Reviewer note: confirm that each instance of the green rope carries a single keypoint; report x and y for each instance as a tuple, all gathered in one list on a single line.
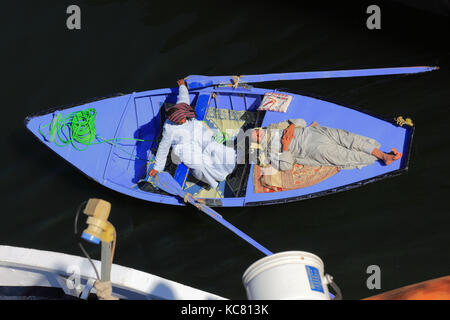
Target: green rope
[(222, 137), (77, 128)]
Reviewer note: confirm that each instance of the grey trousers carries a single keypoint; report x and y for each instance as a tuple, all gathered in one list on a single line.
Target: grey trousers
[(336, 147)]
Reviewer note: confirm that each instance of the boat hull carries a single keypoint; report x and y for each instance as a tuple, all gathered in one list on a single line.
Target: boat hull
[(29, 271), (120, 166)]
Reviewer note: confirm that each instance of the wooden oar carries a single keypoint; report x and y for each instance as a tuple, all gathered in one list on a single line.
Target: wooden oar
[(199, 81), (166, 182)]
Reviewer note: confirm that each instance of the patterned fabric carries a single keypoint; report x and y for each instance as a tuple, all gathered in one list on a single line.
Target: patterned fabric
[(273, 101), (298, 177), (229, 122), (180, 111)]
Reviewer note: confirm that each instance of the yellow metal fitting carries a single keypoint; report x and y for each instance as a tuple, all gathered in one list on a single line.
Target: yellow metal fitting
[(98, 225), (401, 122)]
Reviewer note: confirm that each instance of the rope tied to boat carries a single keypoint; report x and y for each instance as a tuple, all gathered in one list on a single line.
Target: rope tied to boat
[(236, 81), (104, 290), (187, 196), (77, 128)]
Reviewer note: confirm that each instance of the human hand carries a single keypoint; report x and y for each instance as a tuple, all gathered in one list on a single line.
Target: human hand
[(152, 173), (314, 124), (181, 82)]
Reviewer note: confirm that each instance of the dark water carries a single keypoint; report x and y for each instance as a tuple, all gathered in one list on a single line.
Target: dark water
[(400, 224)]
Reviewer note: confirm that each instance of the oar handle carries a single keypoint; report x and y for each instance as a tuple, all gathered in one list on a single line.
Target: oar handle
[(213, 214), (166, 182)]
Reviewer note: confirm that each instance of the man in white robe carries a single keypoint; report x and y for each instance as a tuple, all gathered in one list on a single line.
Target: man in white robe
[(193, 144)]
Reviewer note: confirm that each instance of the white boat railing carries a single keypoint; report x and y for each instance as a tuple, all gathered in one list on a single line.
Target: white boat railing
[(75, 275)]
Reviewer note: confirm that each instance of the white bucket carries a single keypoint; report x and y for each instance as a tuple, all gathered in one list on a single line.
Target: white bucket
[(290, 275)]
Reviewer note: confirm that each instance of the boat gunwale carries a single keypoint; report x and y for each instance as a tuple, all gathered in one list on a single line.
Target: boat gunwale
[(259, 91)]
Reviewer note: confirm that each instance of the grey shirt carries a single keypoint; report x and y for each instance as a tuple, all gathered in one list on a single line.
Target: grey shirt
[(272, 148)]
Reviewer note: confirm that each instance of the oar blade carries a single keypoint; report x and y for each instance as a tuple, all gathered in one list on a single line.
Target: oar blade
[(198, 81)]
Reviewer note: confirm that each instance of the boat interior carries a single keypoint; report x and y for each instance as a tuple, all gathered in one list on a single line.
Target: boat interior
[(123, 165), (222, 111), (223, 108)]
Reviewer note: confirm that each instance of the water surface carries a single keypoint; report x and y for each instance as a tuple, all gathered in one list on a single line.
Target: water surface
[(400, 224)]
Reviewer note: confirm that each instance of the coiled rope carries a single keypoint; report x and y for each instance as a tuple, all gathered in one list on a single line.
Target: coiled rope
[(78, 128)]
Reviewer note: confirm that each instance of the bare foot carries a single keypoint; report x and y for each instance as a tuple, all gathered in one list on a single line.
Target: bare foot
[(387, 158), (392, 156), (397, 155)]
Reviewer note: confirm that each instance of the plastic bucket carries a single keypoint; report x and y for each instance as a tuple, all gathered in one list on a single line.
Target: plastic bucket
[(290, 275)]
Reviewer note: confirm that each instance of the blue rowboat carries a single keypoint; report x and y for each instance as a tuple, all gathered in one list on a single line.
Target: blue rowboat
[(128, 128)]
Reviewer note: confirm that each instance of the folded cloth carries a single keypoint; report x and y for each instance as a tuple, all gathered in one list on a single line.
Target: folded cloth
[(273, 101), (298, 177)]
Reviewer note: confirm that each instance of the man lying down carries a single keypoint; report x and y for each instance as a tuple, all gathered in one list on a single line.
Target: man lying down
[(210, 161), (317, 146)]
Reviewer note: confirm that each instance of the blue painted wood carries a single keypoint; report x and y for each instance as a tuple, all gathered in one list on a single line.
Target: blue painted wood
[(237, 102), (181, 174), (201, 106), (139, 115), (199, 81)]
